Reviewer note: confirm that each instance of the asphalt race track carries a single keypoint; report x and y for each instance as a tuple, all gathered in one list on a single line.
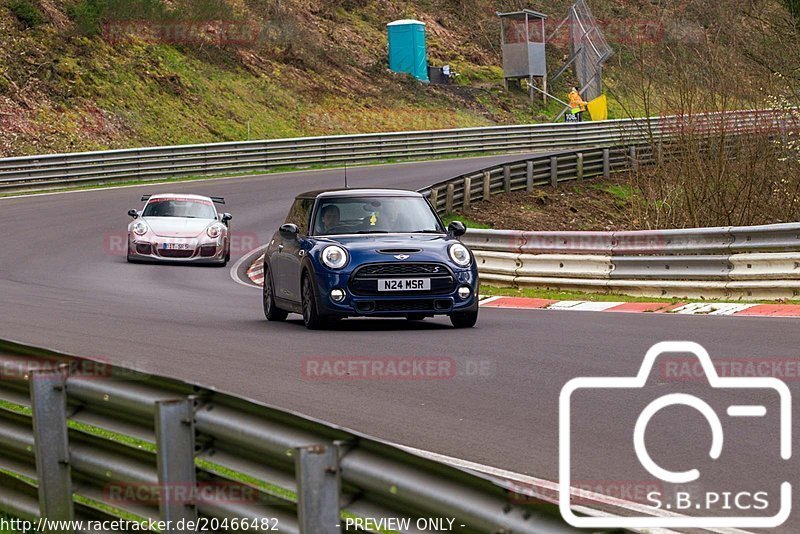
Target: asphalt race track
[(65, 286)]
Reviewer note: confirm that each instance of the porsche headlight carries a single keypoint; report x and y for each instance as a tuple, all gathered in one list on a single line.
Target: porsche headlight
[(214, 231), (334, 257), (140, 228), (459, 254)]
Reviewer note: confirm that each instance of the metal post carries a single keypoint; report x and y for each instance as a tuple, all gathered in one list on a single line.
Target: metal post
[(487, 185), (554, 171), (318, 489), (633, 158), (467, 192), (579, 167), (529, 176), (606, 163), (175, 458), (659, 153), (544, 85), (506, 178), (448, 202), (51, 443)]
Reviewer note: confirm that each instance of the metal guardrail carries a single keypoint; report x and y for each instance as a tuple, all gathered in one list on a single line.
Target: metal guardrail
[(683, 263), (583, 163), (75, 435), (756, 262), (57, 171)]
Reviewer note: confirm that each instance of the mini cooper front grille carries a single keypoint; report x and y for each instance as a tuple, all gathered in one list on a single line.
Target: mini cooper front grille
[(405, 305), (365, 279), (402, 269)]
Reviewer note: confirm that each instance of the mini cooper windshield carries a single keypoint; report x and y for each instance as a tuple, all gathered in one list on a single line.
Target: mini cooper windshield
[(375, 215), (179, 207)]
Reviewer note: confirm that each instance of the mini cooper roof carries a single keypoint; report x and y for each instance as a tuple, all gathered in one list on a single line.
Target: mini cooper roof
[(327, 193)]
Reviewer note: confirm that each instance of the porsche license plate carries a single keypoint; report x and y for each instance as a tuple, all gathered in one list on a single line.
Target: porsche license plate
[(175, 246), (405, 284)]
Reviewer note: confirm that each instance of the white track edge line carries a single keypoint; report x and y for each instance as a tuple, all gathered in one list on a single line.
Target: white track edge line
[(235, 269)]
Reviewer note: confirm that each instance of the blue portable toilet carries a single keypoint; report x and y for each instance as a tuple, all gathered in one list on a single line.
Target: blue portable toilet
[(407, 50)]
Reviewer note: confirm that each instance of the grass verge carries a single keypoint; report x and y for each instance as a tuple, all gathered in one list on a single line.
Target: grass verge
[(447, 219)]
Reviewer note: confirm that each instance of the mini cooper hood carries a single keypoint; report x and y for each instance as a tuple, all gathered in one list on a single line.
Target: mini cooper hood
[(389, 243), (177, 226)]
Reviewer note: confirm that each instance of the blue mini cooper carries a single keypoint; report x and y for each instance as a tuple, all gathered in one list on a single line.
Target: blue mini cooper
[(368, 252)]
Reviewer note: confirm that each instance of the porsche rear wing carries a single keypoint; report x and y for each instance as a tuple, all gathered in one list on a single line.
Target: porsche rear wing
[(216, 200)]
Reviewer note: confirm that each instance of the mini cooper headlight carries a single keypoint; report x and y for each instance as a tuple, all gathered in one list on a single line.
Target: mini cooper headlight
[(214, 231), (459, 254), (140, 228), (334, 257)]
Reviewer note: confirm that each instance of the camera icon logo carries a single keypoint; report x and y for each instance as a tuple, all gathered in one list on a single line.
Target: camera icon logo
[(715, 423)]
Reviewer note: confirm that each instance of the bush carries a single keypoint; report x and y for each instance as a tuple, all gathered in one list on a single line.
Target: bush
[(724, 181), (26, 13)]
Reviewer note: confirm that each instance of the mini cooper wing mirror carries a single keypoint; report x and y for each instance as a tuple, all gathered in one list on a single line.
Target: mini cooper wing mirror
[(456, 228), (289, 231), (133, 213), (226, 217)]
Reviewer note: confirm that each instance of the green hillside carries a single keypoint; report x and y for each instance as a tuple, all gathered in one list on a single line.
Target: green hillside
[(93, 74)]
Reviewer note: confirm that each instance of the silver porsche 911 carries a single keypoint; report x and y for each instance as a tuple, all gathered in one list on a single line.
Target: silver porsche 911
[(179, 228)]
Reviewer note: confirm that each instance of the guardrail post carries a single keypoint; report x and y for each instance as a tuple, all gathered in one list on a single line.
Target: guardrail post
[(659, 153), (606, 163), (529, 177), (51, 443), (634, 159), (554, 171), (467, 192), (175, 458), (435, 198), (448, 201), (487, 185), (318, 489), (579, 166), (507, 178)]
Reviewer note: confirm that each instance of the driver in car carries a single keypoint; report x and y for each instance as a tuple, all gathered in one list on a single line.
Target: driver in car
[(330, 217), (392, 218)]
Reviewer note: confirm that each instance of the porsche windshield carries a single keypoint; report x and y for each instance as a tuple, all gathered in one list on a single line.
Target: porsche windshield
[(180, 207), (375, 215)]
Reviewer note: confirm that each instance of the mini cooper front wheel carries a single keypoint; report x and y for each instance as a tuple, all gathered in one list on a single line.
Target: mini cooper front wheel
[(464, 319), (311, 316), (271, 311)]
